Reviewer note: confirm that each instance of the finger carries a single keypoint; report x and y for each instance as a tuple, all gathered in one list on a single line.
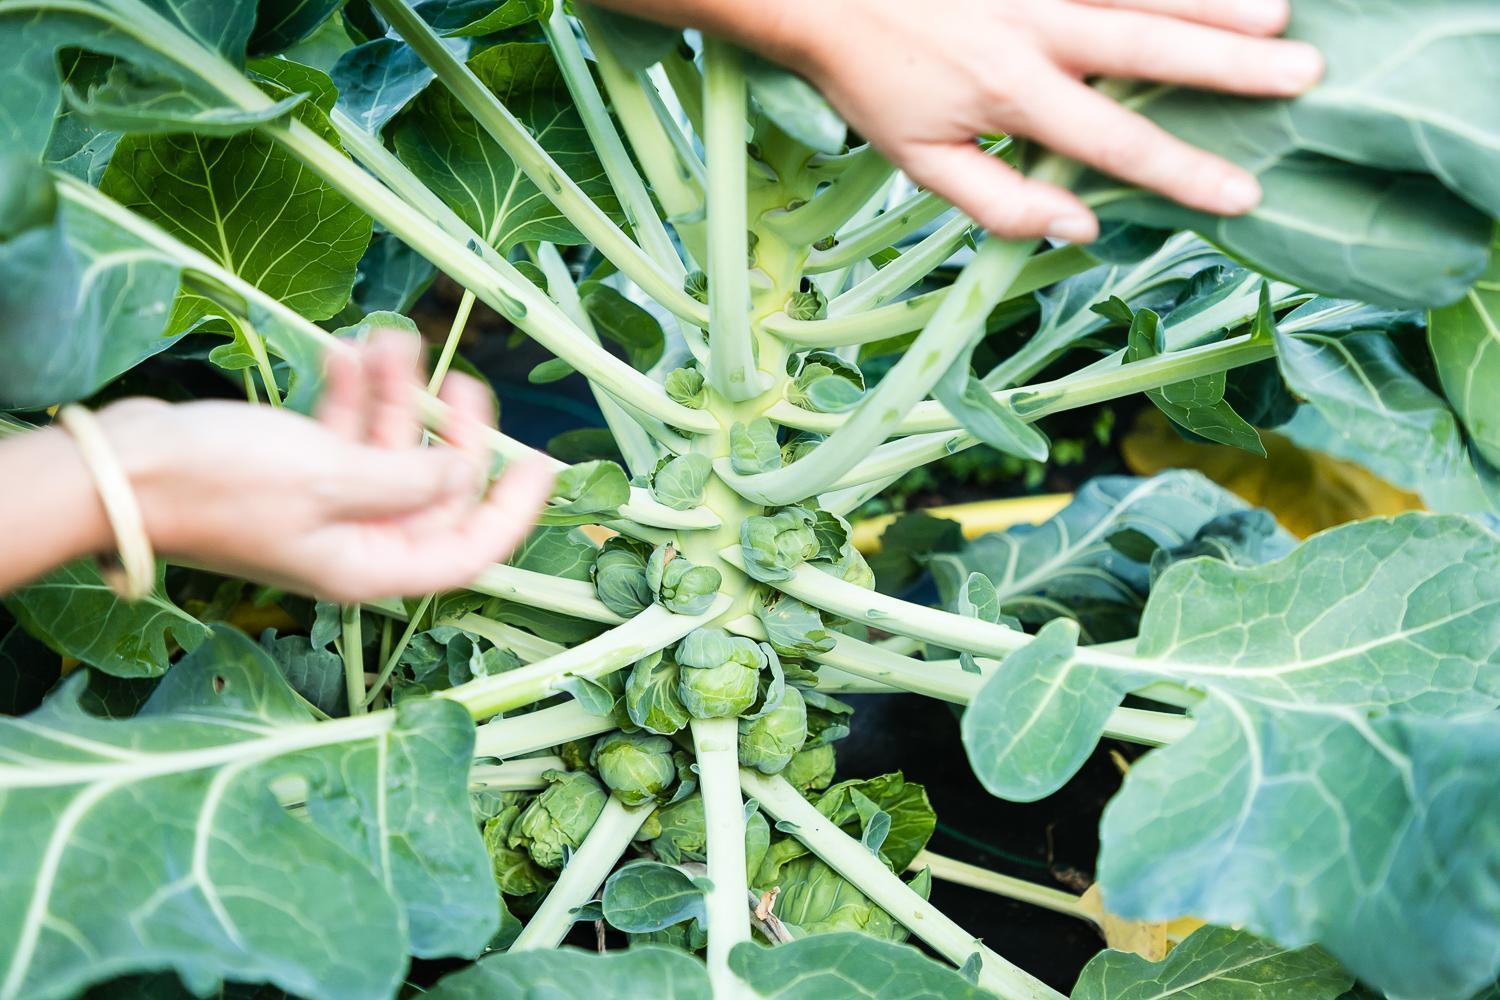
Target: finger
[(392, 359), (1086, 126), (340, 408), (997, 197), (471, 410), (379, 482), (1252, 17), (1146, 47)]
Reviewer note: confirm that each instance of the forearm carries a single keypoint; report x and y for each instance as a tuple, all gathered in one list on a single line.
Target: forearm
[(50, 512)]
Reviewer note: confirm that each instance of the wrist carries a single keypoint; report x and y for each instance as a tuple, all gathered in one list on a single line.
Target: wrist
[(143, 443)]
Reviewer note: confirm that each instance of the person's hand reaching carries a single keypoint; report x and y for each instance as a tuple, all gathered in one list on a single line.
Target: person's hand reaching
[(924, 81), (349, 507)]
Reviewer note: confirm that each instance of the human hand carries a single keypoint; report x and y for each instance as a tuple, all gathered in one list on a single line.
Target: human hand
[(348, 507), (922, 82)]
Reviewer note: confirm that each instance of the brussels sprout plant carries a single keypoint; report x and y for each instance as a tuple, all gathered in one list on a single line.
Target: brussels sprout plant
[(775, 326)]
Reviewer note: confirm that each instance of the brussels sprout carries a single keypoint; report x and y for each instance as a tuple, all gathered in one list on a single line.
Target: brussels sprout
[(852, 568), (559, 817), (753, 447), (793, 629), (696, 285), (720, 675), (585, 492), (637, 767), (685, 386), (515, 872), (651, 698), (811, 768), (678, 481), (827, 383), (769, 742), (807, 304), (798, 445), (619, 575), (814, 899), (773, 546), (683, 836), (681, 587)]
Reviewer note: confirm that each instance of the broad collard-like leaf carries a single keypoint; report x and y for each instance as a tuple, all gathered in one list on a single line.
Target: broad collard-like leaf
[(1067, 567), (573, 974), (846, 965), (183, 811), (1465, 341), (1380, 183), (83, 302), (1367, 618), (250, 206), (33, 33), (647, 896), (448, 150), (1382, 829), (75, 612), (378, 79), (1215, 963), (795, 106)]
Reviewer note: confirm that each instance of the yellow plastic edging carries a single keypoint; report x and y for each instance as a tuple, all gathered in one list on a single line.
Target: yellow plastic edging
[(975, 519)]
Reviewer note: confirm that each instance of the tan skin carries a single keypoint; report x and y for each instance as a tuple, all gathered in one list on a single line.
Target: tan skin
[(923, 80), (347, 507), (350, 507)]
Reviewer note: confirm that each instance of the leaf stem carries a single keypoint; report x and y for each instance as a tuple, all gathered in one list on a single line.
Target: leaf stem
[(906, 270), (388, 664), (867, 172), (716, 748), (546, 727), (537, 164), (581, 877), (353, 652), (1019, 889), (869, 875), (514, 776)]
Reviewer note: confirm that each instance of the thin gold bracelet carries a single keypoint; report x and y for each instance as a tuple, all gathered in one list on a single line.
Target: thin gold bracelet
[(133, 576)]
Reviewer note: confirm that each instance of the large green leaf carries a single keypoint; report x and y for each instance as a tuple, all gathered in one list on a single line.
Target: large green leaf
[(1465, 340), (572, 974), (33, 32), (1215, 964), (647, 896), (182, 813), (847, 965), (73, 611), (448, 150), (82, 299), (1381, 830), (378, 79), (1380, 184), (1068, 567), (250, 206)]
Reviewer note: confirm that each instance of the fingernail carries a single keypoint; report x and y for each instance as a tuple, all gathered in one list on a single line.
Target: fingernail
[(1073, 229), (1261, 15), (1297, 66), (1239, 194)]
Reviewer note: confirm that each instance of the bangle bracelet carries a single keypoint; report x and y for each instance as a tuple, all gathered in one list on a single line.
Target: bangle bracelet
[(133, 575)]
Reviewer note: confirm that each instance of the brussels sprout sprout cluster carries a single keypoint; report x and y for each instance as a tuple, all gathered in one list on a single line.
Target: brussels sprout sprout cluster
[(629, 576)]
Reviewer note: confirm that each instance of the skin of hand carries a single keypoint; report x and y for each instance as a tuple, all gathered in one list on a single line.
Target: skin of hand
[(924, 81), (348, 507)]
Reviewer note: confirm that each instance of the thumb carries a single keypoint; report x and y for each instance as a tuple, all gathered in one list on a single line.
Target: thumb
[(997, 196)]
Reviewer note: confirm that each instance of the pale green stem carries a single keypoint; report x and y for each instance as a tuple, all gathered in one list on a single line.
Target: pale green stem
[(862, 240), (866, 174), (672, 179), (10, 427), (985, 880), (574, 598), (651, 630), (636, 447), (262, 362), (731, 357), (251, 395), (352, 648), (546, 727), (905, 271), (391, 659), (528, 647), (910, 315), (1034, 402), (716, 749), (869, 875), (534, 161), (626, 181), (958, 322), (514, 776), (584, 873), (842, 502), (686, 83), (450, 345)]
